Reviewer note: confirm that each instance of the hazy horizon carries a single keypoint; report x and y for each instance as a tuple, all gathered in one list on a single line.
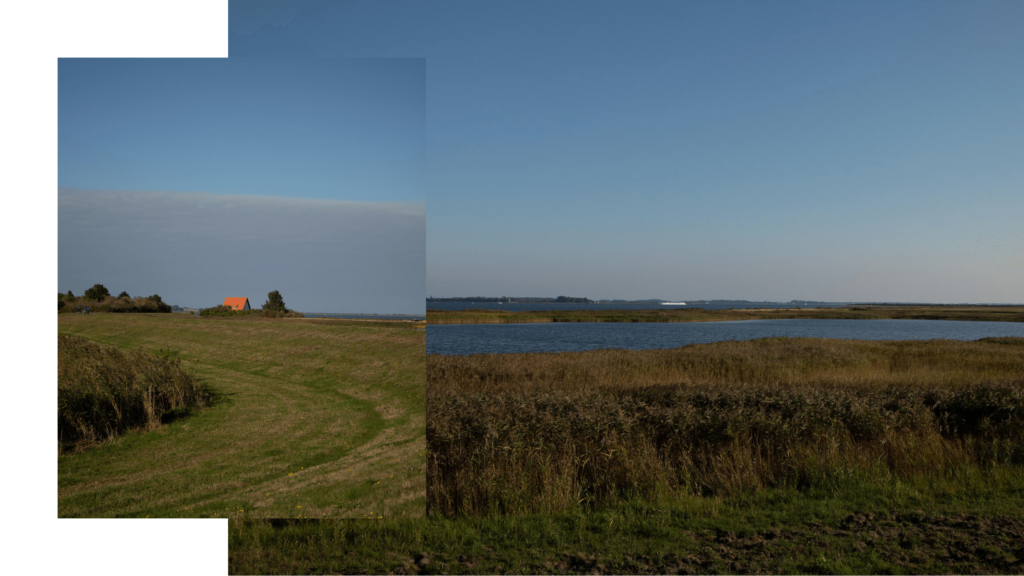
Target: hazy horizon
[(200, 179)]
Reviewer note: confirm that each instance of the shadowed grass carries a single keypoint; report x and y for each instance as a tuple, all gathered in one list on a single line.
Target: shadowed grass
[(967, 523)]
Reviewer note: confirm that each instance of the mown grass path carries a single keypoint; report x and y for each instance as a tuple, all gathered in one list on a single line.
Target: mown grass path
[(310, 419)]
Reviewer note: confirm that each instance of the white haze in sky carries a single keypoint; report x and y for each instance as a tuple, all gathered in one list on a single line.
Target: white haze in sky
[(195, 249)]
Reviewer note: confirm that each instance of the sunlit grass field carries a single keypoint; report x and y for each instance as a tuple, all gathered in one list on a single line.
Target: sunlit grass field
[(306, 419)]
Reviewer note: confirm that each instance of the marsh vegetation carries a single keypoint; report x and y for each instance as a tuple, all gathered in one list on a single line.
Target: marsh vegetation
[(533, 433)]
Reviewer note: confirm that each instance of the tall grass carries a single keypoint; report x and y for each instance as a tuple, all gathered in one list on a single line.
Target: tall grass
[(527, 433), (104, 391)]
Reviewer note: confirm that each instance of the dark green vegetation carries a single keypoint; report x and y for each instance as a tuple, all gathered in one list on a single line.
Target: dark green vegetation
[(970, 523), (982, 313), (529, 433), (274, 303), (103, 391), (307, 419), (227, 312), (67, 303), (97, 292)]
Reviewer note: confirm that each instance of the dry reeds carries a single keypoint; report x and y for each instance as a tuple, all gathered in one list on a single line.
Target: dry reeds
[(526, 433), (104, 391)]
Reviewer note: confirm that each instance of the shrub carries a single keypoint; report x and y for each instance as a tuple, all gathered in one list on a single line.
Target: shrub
[(223, 310), (124, 295), (111, 304), (274, 303), (285, 314), (97, 292)]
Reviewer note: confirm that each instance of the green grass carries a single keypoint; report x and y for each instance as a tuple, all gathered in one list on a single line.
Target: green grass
[(307, 419), (973, 313), (967, 523)]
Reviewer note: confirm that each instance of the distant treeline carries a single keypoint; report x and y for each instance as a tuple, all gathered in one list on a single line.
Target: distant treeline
[(973, 313), (571, 299), (99, 299), (229, 311)]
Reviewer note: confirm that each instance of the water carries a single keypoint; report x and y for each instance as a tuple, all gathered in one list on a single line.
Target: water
[(549, 306), (461, 339), (363, 316)]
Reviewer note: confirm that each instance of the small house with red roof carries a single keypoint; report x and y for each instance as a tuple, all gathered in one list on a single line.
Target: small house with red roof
[(237, 303)]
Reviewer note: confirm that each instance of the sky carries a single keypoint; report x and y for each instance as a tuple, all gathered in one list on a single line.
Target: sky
[(836, 151), (200, 179)]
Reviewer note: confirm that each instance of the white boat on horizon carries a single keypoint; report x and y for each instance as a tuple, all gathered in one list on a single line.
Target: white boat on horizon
[(673, 303)]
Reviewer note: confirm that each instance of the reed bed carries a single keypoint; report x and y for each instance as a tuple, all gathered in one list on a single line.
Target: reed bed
[(103, 391), (528, 433)]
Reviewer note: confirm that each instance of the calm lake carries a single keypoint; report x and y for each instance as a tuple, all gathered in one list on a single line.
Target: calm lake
[(461, 339)]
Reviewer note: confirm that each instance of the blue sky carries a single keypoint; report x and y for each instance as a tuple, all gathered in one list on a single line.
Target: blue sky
[(759, 150), (198, 179)]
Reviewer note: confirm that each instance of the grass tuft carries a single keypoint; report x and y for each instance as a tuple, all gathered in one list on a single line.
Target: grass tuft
[(104, 391)]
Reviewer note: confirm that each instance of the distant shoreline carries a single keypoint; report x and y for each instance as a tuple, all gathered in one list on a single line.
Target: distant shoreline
[(983, 313)]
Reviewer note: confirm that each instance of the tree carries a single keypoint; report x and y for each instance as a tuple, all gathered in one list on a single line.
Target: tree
[(97, 292), (274, 302), (124, 295), (70, 295), (156, 298)]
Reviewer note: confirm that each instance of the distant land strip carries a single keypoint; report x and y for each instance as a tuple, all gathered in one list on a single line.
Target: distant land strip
[(971, 313)]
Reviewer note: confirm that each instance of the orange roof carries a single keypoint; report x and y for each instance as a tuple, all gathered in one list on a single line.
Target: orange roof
[(236, 303)]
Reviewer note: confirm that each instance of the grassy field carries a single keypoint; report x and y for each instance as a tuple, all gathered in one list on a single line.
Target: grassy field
[(977, 313), (972, 524), (770, 456), (308, 418)]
